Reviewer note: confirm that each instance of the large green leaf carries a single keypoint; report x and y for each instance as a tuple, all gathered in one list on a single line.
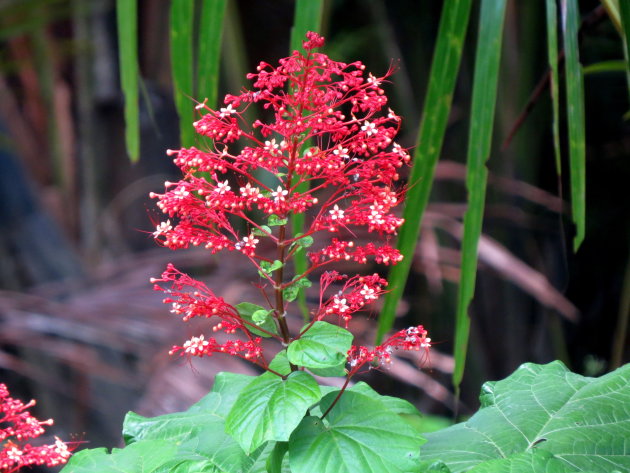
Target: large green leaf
[(575, 117), (196, 438), (543, 418), (484, 98), (127, 23), (199, 431), (143, 457), (323, 347), (359, 435), (270, 408), (437, 106)]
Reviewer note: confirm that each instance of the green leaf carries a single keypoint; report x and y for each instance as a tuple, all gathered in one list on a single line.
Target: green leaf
[(308, 17), (615, 65), (247, 310), (280, 363), (143, 457), (484, 98), (274, 461), (437, 107), (291, 292), (127, 23), (264, 230), (533, 461), (393, 404), (181, 33), (552, 54), (323, 346), (575, 117), (210, 31), (275, 221), (303, 241), (358, 435), (270, 408), (624, 16), (198, 432), (580, 422), (261, 316), (268, 268)]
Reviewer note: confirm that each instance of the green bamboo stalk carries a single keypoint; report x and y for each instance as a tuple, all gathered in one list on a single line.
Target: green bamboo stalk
[(482, 112), (437, 107), (181, 34), (575, 117)]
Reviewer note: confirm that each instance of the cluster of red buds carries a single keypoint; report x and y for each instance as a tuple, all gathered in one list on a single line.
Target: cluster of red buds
[(410, 339), (16, 426), (326, 149)]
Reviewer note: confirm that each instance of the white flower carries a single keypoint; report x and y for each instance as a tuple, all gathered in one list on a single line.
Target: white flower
[(279, 194), (225, 111), (369, 128), (222, 187), (336, 213), (162, 228)]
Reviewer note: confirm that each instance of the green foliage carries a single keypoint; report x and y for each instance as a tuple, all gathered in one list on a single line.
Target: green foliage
[(575, 117), (127, 23), (322, 349), (181, 32), (291, 292), (193, 440), (541, 418), (352, 438), (437, 106), (247, 310), (209, 51), (479, 145), (269, 408)]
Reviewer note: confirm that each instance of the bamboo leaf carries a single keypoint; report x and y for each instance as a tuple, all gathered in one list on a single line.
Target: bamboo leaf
[(182, 65), (484, 98), (575, 117), (308, 17), (444, 69), (127, 21), (615, 65), (624, 11), (552, 53), (210, 32)]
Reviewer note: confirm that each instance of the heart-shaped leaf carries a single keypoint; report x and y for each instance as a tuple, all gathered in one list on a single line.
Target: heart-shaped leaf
[(359, 435), (270, 408), (322, 349)]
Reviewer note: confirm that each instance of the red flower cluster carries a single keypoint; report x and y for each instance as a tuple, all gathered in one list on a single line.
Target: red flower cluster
[(326, 149), (17, 424), (412, 338)]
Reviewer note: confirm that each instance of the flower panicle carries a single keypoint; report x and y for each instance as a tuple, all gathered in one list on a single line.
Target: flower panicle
[(17, 425), (325, 148)]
